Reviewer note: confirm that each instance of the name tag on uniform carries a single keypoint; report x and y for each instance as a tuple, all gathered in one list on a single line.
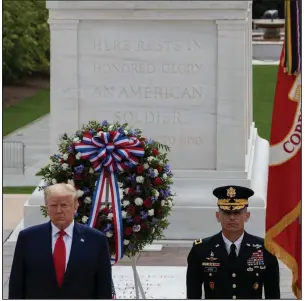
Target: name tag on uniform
[(210, 269), (211, 264)]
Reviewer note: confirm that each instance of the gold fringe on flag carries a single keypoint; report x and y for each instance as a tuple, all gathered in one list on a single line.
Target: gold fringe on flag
[(281, 253)]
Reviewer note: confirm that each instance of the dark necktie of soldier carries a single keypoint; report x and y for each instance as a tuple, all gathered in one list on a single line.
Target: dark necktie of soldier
[(232, 254)]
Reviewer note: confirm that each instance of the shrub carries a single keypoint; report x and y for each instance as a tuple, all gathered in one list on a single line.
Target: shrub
[(26, 39)]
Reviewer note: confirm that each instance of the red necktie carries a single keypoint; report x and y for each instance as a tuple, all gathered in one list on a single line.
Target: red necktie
[(59, 257)]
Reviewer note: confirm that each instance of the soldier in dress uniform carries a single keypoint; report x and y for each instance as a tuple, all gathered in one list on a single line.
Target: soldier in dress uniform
[(232, 264)]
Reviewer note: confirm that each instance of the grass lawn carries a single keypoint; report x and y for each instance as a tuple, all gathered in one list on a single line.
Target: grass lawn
[(18, 190), (264, 81), (25, 112)]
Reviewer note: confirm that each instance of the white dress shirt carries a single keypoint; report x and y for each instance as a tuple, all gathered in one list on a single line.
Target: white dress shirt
[(67, 239), (237, 243)]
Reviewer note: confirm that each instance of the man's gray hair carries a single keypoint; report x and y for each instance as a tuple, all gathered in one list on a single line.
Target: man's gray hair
[(60, 188)]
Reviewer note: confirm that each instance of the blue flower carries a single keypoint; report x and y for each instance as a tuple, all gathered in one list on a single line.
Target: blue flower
[(130, 220), (92, 132), (151, 172), (150, 141), (79, 169), (143, 215), (131, 178), (86, 190), (57, 156), (167, 167), (70, 149), (104, 123)]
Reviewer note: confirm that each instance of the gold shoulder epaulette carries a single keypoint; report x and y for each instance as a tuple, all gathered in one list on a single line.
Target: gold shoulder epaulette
[(198, 242)]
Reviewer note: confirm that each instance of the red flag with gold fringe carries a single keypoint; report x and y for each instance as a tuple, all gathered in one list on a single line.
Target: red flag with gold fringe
[(283, 224)]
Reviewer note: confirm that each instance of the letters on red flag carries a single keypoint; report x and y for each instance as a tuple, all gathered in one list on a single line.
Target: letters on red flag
[(283, 224)]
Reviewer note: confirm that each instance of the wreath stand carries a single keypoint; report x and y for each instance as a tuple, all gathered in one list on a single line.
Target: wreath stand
[(137, 281)]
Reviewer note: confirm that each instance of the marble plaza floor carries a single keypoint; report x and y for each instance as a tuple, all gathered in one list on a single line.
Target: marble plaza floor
[(162, 274)]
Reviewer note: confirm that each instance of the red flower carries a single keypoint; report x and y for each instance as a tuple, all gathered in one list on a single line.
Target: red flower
[(144, 226), (128, 231), (158, 212), (132, 210), (157, 181), (131, 191), (71, 159), (77, 177), (137, 219), (105, 210), (140, 169), (147, 203), (159, 168), (155, 152)]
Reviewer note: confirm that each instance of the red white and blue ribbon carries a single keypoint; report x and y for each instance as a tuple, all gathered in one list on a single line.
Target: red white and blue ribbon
[(110, 153)]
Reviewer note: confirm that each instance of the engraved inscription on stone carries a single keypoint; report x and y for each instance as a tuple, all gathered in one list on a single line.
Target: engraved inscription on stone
[(158, 76)]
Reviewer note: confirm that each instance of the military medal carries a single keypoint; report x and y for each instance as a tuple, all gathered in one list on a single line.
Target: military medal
[(212, 285), (211, 258), (255, 286)]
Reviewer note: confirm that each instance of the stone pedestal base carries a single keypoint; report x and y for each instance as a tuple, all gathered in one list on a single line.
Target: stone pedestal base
[(193, 214)]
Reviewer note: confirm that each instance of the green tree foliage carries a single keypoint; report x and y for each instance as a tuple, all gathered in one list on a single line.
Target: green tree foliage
[(26, 39)]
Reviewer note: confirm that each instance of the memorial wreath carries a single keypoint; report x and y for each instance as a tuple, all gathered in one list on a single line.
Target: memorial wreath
[(103, 160)]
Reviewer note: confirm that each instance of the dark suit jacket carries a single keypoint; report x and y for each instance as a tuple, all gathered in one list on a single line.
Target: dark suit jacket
[(209, 265), (88, 273)]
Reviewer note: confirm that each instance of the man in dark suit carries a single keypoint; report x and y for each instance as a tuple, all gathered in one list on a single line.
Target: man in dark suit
[(232, 264), (61, 259)]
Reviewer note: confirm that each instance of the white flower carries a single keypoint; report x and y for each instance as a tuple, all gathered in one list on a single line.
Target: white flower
[(161, 163), (91, 170), (76, 140), (65, 156), (138, 201), (139, 179), (110, 215), (51, 168), (79, 193), (136, 228), (156, 172), (78, 156), (124, 214), (87, 200), (71, 182), (149, 159), (155, 193), (169, 203), (164, 176), (120, 185), (54, 181), (151, 212), (146, 166), (126, 190), (126, 242), (110, 128), (152, 230), (125, 132), (163, 203), (85, 219), (65, 166), (109, 234), (125, 203)]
